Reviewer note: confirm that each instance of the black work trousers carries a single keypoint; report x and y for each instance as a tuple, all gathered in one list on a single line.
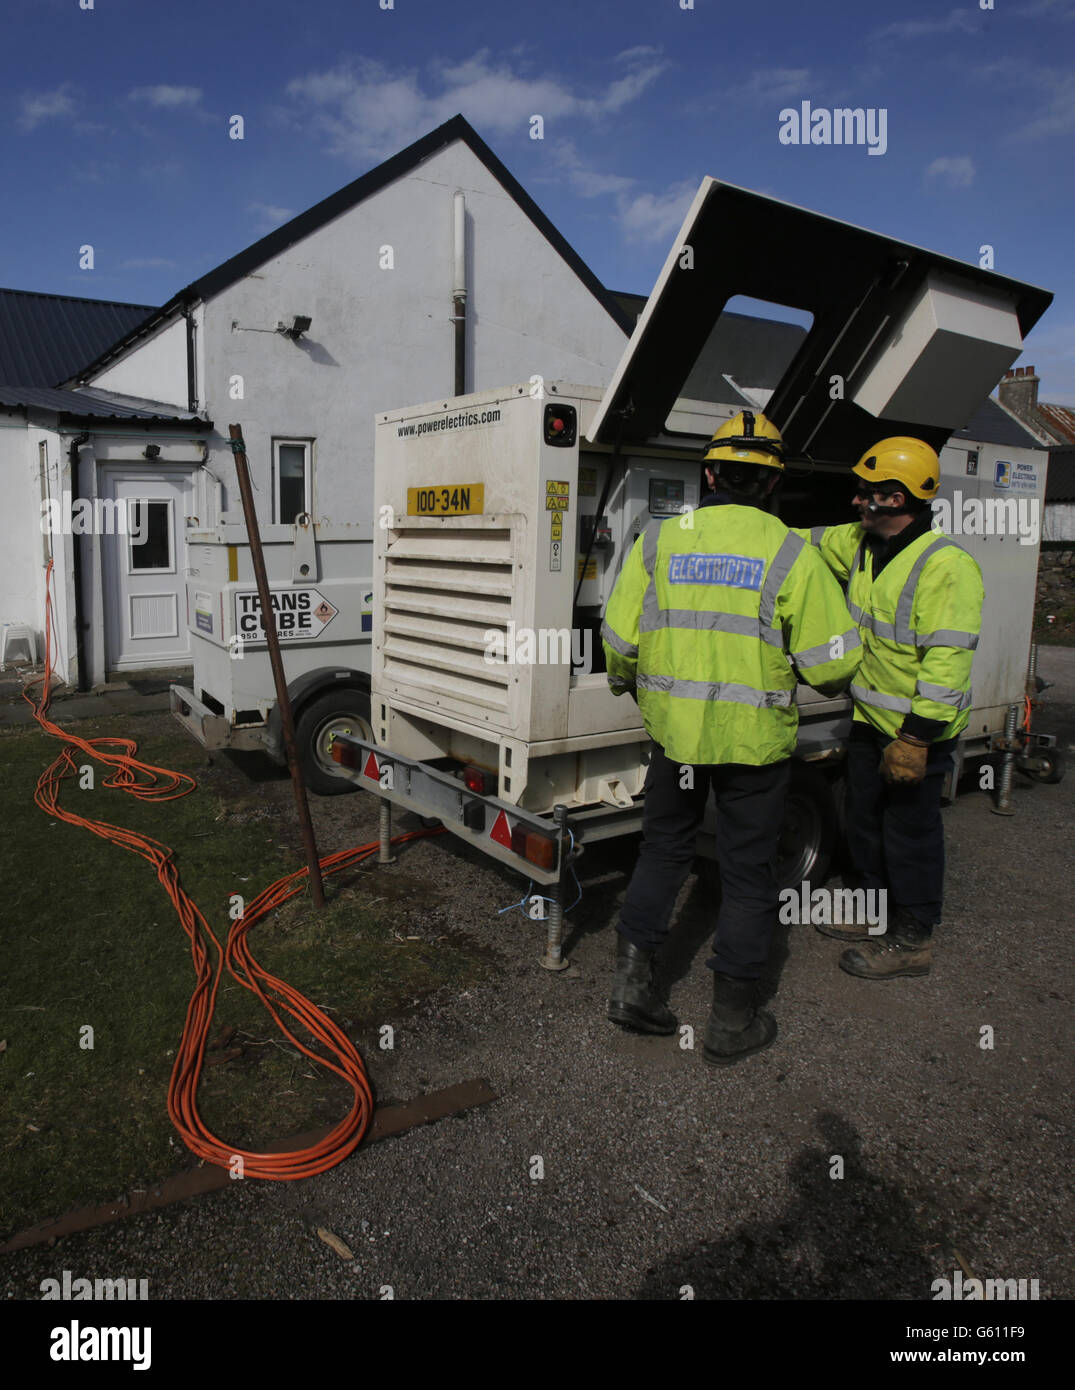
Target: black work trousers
[(894, 833), (750, 812)]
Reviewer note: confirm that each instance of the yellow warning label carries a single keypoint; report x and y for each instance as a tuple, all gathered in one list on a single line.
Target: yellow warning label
[(557, 496), (557, 530), (591, 569)]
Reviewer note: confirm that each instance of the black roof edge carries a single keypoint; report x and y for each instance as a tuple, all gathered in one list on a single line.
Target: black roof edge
[(80, 298), (457, 128)]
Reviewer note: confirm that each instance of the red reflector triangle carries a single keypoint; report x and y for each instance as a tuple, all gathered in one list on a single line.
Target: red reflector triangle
[(501, 831), (371, 769)]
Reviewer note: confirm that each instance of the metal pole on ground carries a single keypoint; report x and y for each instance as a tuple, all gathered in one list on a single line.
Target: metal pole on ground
[(268, 622)]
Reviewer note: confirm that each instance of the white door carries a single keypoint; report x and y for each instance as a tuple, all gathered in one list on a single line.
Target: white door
[(145, 570)]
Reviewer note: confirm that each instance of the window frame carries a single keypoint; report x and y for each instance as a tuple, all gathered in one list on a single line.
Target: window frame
[(307, 446)]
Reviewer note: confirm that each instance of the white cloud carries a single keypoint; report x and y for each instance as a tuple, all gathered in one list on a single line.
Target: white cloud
[(642, 214), (1049, 9), (776, 85), (368, 109), (955, 22), (269, 215), (44, 105), (1051, 90), (656, 216), (167, 96), (1057, 115), (957, 171)]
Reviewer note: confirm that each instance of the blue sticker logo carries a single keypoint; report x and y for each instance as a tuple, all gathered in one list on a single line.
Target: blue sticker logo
[(1003, 477), (732, 571)]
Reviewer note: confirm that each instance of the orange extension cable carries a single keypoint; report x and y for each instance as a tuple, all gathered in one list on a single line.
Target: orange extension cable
[(149, 783)]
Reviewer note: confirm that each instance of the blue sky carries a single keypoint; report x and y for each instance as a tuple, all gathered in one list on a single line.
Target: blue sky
[(115, 122)]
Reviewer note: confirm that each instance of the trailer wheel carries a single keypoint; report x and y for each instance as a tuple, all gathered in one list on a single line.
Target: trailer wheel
[(335, 712), (808, 837), (1050, 766)]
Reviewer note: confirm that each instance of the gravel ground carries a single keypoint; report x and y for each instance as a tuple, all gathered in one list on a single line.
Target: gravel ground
[(661, 1172)]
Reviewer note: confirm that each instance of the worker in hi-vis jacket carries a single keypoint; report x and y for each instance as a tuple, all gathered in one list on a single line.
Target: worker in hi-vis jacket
[(917, 599), (706, 617)]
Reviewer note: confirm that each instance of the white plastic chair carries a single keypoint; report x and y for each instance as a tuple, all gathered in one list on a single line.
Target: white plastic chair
[(17, 632)]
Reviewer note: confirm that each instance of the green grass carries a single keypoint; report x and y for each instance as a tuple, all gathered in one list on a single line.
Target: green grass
[(91, 938)]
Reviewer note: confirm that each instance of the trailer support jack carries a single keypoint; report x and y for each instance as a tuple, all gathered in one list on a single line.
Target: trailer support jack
[(384, 853), (553, 958)]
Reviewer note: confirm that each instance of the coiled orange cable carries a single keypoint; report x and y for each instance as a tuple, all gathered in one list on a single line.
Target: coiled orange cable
[(149, 783)]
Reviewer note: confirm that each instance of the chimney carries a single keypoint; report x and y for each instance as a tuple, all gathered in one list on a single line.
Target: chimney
[(1018, 391)]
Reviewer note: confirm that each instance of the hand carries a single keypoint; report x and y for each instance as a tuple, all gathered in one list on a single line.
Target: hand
[(904, 761)]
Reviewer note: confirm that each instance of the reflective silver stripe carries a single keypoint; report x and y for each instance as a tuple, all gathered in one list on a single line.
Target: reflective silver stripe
[(790, 549), (616, 642), (817, 534), (899, 703), (877, 626), (948, 637), (817, 656), (715, 690), (904, 631), (650, 606), (708, 620), (943, 694)]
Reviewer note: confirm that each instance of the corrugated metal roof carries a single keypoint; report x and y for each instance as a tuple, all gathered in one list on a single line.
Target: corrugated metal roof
[(47, 338), (96, 405), (1060, 419)]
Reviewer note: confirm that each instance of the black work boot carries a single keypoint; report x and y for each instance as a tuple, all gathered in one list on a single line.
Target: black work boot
[(635, 1003), (735, 1029)]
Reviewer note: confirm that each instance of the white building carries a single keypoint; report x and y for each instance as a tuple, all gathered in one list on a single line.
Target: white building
[(374, 270)]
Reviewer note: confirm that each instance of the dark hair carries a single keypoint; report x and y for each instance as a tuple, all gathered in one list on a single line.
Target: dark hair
[(892, 485), (741, 478)]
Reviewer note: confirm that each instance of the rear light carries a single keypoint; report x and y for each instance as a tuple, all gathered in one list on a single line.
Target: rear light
[(476, 779), (534, 848), (343, 753)]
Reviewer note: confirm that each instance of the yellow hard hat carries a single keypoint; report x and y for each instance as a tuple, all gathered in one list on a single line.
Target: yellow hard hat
[(747, 438), (902, 459)]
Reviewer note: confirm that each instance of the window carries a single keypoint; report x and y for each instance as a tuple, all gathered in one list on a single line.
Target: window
[(149, 525), (292, 483)]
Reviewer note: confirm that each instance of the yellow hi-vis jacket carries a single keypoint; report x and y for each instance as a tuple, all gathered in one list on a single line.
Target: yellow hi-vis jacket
[(707, 614), (919, 620)]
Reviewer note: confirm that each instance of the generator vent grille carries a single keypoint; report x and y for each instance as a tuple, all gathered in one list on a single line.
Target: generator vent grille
[(447, 588)]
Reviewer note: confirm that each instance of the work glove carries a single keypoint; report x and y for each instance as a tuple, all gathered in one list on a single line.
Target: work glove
[(904, 760)]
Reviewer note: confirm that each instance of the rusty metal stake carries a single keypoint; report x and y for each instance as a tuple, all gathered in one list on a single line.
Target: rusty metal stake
[(268, 622)]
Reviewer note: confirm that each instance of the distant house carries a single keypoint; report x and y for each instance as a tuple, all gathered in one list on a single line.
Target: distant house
[(1054, 426)]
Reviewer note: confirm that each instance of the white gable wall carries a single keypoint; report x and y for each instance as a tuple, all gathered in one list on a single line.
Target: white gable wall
[(382, 338), (156, 370)]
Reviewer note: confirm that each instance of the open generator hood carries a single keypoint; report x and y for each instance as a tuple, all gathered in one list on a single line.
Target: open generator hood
[(917, 340)]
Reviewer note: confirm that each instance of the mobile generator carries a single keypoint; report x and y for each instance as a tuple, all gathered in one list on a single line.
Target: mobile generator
[(501, 520)]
